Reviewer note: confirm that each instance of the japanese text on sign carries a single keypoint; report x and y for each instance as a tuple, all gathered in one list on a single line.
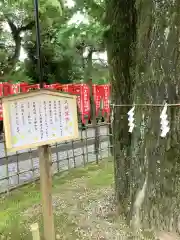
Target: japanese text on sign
[(41, 119)]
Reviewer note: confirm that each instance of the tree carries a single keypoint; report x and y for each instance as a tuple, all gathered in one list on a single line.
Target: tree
[(62, 44), (84, 40), (94, 8), (19, 17), (59, 63), (143, 53), (119, 39)]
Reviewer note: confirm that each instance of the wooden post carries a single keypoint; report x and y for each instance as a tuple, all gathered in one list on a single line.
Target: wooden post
[(35, 231), (46, 191)]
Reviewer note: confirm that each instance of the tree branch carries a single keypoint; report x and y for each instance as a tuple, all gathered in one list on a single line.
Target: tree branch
[(28, 26), (15, 31)]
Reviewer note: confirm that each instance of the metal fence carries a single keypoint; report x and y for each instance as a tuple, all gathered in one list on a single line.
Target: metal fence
[(23, 167)]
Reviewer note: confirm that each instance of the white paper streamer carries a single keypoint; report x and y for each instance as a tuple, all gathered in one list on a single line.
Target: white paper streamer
[(164, 122), (131, 119)]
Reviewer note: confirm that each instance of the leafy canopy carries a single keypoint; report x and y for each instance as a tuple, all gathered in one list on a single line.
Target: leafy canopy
[(63, 44)]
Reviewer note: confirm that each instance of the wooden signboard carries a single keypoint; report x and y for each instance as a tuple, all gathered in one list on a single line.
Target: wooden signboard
[(39, 118)]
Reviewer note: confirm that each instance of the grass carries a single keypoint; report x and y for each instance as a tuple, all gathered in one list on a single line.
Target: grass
[(73, 193), (83, 207)]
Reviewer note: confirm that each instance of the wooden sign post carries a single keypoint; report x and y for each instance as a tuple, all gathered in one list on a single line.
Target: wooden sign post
[(35, 231), (46, 191), (39, 119)]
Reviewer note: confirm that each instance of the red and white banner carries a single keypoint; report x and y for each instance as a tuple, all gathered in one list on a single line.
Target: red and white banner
[(100, 93), (105, 93), (83, 100), (52, 86), (97, 98), (27, 88)]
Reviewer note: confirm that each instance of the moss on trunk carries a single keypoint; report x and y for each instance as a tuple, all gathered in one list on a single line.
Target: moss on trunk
[(120, 38), (143, 54)]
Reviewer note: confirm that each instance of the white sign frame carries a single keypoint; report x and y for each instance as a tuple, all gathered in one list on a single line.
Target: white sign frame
[(6, 104)]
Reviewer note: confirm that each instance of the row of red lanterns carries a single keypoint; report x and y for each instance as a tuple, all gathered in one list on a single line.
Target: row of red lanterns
[(101, 93)]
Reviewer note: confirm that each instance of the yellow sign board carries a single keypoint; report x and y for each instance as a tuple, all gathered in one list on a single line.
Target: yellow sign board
[(39, 118)]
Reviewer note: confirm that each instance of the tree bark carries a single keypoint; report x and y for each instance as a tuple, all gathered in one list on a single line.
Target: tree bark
[(157, 80), (88, 78), (143, 53), (120, 38)]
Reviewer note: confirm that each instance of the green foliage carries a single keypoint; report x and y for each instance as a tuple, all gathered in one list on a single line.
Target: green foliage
[(83, 35), (59, 63), (63, 44), (94, 8), (18, 76), (17, 17), (22, 11)]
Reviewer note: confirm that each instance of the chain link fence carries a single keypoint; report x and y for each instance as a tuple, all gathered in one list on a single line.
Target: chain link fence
[(23, 167)]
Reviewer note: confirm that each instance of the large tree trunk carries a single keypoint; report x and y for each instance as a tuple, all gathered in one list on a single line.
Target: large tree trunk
[(120, 38), (157, 80), (146, 166)]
